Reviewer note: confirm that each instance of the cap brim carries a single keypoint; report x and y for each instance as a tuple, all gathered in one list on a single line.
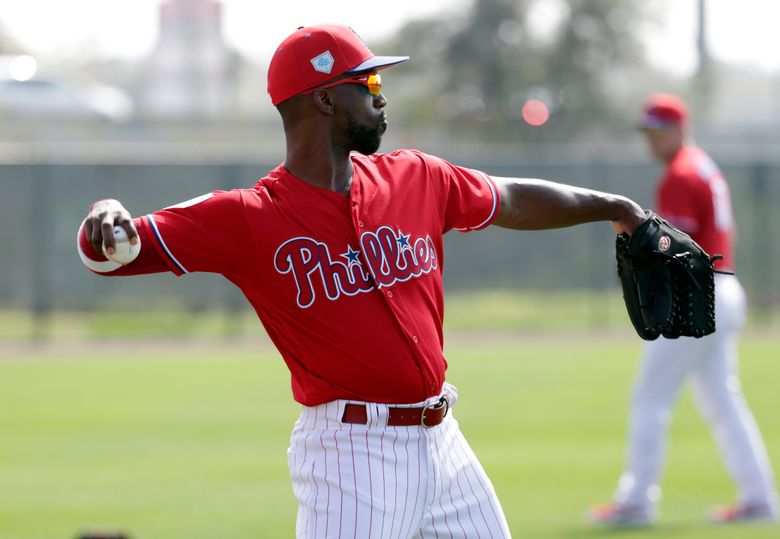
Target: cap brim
[(377, 62), (654, 123)]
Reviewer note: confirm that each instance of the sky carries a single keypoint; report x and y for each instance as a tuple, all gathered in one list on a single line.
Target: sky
[(741, 31), (128, 28)]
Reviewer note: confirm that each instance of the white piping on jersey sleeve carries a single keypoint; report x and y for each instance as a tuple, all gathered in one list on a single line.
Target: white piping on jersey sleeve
[(161, 241), (98, 266), (493, 210), (191, 202)]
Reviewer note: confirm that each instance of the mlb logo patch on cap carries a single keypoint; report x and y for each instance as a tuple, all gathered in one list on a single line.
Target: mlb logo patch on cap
[(323, 62)]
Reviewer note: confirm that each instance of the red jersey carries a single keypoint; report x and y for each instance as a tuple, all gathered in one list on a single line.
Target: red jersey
[(349, 289), (693, 195)]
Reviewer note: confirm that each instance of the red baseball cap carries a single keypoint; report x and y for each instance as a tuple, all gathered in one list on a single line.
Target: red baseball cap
[(662, 110), (314, 55)]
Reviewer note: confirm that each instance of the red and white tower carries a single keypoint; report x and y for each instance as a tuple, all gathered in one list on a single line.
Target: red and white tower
[(191, 72)]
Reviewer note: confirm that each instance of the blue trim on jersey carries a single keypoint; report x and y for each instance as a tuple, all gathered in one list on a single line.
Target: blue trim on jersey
[(164, 246), (491, 217)]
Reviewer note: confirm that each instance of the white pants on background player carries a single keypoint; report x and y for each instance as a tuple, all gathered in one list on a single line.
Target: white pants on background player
[(374, 481), (711, 364)]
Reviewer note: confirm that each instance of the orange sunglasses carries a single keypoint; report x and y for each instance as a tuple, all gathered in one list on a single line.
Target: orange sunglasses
[(373, 81)]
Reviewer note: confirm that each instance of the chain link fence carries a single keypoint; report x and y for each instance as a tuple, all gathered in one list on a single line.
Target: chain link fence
[(42, 205)]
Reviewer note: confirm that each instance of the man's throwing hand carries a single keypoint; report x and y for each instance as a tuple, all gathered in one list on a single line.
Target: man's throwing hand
[(99, 225)]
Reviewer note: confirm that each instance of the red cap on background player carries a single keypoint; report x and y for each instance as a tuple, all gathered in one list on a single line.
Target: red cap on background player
[(314, 55), (663, 110)]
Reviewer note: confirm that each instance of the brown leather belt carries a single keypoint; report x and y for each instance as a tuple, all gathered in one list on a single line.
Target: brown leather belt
[(426, 416)]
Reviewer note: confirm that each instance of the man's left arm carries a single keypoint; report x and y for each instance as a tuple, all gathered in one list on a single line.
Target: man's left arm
[(529, 204)]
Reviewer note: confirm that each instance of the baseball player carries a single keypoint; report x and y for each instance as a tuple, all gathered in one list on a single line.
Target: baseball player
[(340, 252), (693, 195)]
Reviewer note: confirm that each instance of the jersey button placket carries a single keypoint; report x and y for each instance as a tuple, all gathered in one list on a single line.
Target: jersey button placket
[(389, 293)]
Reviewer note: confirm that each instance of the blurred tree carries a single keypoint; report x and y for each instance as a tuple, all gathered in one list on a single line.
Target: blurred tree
[(476, 71)]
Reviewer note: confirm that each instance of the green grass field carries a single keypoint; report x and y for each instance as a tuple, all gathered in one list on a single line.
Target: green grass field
[(189, 440)]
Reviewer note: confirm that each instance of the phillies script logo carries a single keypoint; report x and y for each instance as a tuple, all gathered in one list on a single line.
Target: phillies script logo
[(389, 254)]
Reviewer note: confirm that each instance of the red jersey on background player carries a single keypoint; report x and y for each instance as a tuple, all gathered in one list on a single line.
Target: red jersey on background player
[(341, 257), (694, 196)]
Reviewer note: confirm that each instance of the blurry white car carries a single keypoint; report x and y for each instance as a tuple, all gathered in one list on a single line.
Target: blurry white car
[(50, 99)]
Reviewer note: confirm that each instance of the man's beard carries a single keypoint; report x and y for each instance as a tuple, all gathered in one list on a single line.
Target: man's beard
[(364, 139)]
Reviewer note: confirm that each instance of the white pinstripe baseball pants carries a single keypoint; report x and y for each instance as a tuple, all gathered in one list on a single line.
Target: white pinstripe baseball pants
[(375, 481), (711, 364)]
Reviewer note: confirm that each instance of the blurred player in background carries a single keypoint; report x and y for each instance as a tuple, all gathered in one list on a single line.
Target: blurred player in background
[(339, 251), (692, 195)]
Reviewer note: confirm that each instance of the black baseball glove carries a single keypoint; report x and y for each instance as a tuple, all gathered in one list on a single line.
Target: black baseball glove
[(668, 281)]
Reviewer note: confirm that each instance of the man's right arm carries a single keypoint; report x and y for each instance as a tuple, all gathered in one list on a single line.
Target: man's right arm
[(97, 232), (209, 233)]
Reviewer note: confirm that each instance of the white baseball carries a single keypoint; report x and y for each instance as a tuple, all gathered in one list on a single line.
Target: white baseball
[(124, 252)]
